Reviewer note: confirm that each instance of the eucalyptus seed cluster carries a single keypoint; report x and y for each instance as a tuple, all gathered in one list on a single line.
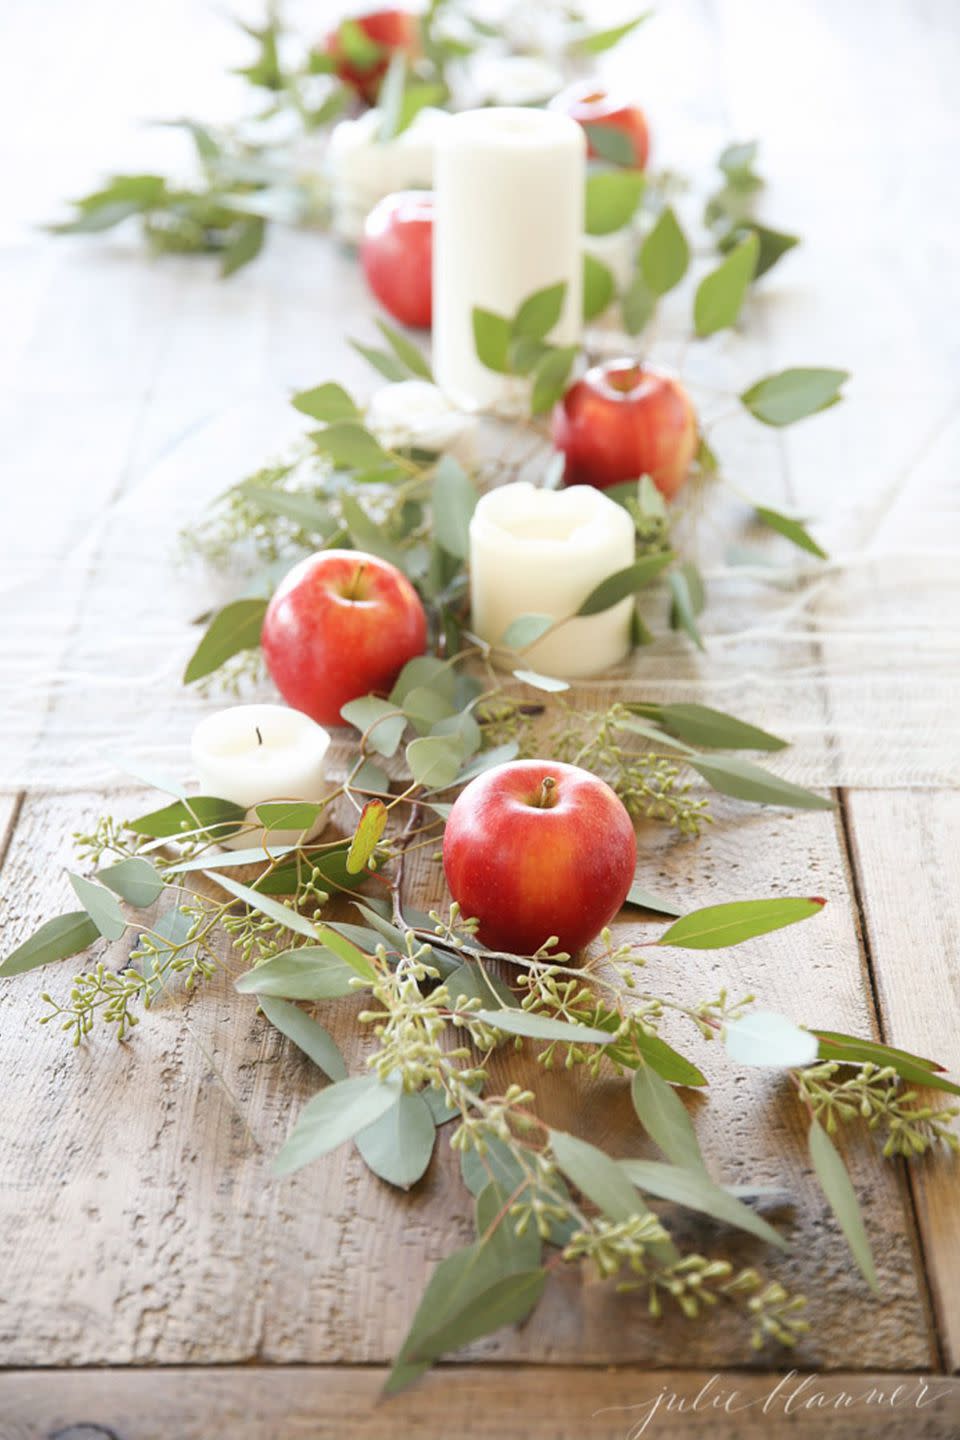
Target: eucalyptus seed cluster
[(611, 1244), (108, 839), (875, 1095), (99, 991)]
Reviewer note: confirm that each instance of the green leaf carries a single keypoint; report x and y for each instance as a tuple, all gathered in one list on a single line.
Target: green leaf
[(367, 534), (667, 1062), (434, 760), (330, 864), (380, 720), (474, 981), (599, 287), (100, 905), (524, 630), (506, 1302), (732, 775), (382, 361), (349, 445), (206, 813), (694, 1190), (326, 403), (424, 708), (596, 1176), (662, 1114), (541, 1027), (665, 254), (774, 244), (409, 354), (498, 755), (348, 952), (539, 313), (491, 338), (687, 601), (288, 815), (717, 926), (645, 900), (134, 880), (794, 394), (612, 144), (55, 940), (309, 1036), (602, 40), (720, 294), (280, 914), (314, 516), (454, 501), (637, 305), (792, 529), (367, 836), (550, 378), (852, 1051), (398, 1146), (550, 683), (245, 246), (234, 628), (769, 1040), (337, 1114), (492, 1204), (310, 972), (700, 725), (426, 670), (842, 1198), (624, 583), (371, 777), (612, 198)]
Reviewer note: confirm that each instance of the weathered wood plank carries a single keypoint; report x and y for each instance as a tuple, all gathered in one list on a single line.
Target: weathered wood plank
[(478, 1403), (906, 847), (139, 1222)]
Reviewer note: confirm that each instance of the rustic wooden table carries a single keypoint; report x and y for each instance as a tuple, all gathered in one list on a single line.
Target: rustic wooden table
[(155, 1280)]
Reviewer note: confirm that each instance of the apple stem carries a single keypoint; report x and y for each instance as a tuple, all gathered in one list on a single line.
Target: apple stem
[(354, 591), (545, 796), (259, 736)]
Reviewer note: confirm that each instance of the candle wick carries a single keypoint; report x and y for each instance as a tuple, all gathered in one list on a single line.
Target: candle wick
[(259, 736)]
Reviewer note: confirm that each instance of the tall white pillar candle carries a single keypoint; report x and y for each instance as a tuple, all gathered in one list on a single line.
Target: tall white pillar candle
[(252, 753), (508, 220), (541, 552)]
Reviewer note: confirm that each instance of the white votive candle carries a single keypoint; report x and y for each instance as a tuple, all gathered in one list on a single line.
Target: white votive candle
[(541, 552), (508, 220), (253, 753)]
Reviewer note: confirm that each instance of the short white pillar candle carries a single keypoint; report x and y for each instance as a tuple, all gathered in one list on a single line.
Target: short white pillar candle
[(252, 753), (508, 220), (542, 552)]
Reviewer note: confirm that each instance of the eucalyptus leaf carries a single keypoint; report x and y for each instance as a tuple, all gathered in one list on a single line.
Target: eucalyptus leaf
[(487, 760), (492, 1209), (454, 501), (842, 1198), (551, 683), (732, 775), (667, 1062), (232, 859), (245, 245), (234, 628), (200, 814), (624, 583), (601, 40), (326, 403), (310, 972), (539, 312), (464, 728), (280, 914), (352, 954), (491, 338), (774, 244), (425, 670), (288, 815), (850, 1050), (370, 777), (307, 1034), (134, 880), (337, 1114), (612, 144), (664, 1117), (367, 534), (524, 630), (398, 1146), (540, 1027), (694, 1190), (665, 254), (646, 900), (57, 939), (701, 725), (506, 1301), (379, 720), (349, 446), (717, 926), (368, 834), (385, 363), (612, 199), (637, 305), (409, 354), (793, 394), (596, 1176), (550, 378), (434, 760), (475, 981), (100, 905), (687, 601), (720, 294), (769, 1040), (792, 529), (599, 287)]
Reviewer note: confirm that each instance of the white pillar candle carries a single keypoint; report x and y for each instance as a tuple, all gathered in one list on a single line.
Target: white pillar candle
[(541, 552), (363, 169), (508, 220), (252, 753)]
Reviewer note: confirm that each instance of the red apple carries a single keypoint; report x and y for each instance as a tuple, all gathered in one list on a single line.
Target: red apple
[(389, 30), (535, 848), (341, 624), (623, 420), (397, 255), (590, 104)]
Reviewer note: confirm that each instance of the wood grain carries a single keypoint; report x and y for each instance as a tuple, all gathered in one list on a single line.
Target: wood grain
[(139, 1222), (478, 1403), (906, 847)]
